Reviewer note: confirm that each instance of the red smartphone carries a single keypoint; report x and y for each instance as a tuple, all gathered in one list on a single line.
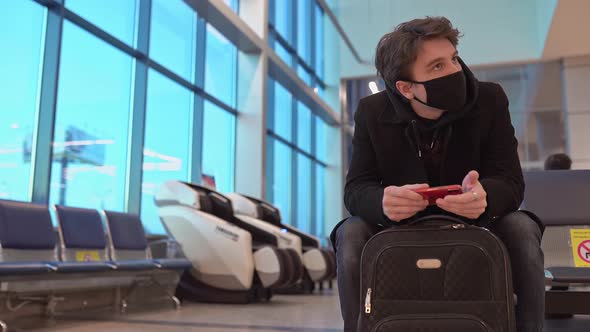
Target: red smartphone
[(434, 193)]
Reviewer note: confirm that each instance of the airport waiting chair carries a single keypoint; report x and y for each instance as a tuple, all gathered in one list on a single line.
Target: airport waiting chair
[(560, 199), (83, 245), (129, 250)]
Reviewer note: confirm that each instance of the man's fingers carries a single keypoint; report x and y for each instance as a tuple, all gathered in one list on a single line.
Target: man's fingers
[(403, 192), (466, 197), (473, 205), (471, 214), (416, 186), (398, 201)]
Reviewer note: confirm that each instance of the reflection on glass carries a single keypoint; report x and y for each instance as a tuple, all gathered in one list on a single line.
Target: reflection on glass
[(167, 142), (219, 149), (92, 122), (304, 193), (220, 67), (173, 36), (116, 18), (21, 24)]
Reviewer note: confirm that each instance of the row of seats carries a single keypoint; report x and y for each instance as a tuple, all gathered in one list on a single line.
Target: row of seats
[(91, 249), (322, 268), (29, 245), (560, 199)]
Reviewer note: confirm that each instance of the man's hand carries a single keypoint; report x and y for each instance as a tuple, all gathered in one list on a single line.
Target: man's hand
[(400, 203), (471, 204)]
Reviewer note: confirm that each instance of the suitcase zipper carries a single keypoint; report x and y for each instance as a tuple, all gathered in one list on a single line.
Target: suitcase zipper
[(454, 226), (368, 302)]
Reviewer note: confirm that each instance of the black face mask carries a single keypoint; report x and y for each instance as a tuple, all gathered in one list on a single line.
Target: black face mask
[(447, 93)]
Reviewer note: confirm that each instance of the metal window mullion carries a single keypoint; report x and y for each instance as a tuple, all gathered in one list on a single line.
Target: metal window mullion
[(294, 156), (139, 110), (313, 215), (41, 158), (292, 146), (105, 36), (294, 35), (199, 103), (270, 142), (271, 12), (313, 37)]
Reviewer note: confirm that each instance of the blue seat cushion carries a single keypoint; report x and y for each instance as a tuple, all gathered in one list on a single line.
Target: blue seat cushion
[(81, 228), (126, 231), (23, 268), (174, 263), (135, 265), (82, 267), (25, 226)]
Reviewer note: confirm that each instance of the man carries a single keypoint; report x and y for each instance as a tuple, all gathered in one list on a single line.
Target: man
[(435, 125)]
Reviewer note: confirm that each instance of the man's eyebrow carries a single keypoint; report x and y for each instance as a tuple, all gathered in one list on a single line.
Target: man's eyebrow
[(439, 59)]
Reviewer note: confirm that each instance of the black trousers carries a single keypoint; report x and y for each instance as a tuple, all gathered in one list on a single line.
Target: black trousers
[(520, 234)]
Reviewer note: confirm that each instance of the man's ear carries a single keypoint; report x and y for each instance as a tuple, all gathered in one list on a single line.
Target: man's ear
[(405, 89)]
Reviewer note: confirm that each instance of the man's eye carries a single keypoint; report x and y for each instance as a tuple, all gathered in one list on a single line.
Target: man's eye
[(438, 66), (455, 59)]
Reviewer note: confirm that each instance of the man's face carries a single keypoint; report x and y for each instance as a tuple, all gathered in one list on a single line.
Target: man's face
[(436, 58)]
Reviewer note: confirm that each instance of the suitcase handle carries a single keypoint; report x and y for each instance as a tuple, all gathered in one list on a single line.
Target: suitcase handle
[(437, 218)]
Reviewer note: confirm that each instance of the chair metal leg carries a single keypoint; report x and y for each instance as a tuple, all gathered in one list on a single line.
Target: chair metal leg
[(176, 301), (171, 296), (3, 326)]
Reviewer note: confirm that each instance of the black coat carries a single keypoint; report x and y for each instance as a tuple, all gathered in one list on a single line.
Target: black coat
[(482, 139)]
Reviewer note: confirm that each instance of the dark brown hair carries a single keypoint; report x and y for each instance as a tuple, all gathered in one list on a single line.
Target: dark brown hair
[(397, 50)]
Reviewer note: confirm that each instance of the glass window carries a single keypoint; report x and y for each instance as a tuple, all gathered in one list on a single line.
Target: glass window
[(92, 123), (319, 41), (21, 24), (304, 75), (283, 21), (283, 110), (116, 18), (304, 193), (281, 179), (304, 30), (220, 67), (173, 36), (167, 142), (219, 149), (283, 53), (320, 138), (303, 127), (319, 201)]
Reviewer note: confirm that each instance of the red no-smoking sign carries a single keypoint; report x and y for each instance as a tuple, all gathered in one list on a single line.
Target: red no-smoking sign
[(584, 251)]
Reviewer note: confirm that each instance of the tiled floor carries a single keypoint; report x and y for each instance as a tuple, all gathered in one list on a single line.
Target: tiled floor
[(292, 313)]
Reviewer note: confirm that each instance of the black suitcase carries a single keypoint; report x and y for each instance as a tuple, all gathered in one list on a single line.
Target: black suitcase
[(439, 274)]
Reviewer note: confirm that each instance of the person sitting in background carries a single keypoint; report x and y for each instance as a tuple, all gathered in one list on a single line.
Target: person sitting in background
[(558, 161)]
